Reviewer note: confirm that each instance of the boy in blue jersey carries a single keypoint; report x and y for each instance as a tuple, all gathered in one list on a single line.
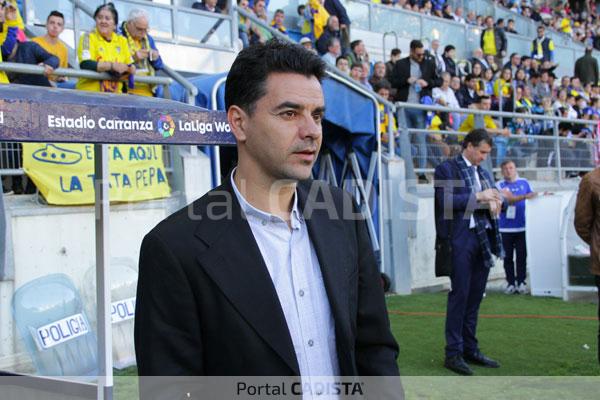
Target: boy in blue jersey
[(512, 225)]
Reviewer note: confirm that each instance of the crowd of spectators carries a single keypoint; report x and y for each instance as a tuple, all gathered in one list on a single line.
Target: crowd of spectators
[(578, 19)]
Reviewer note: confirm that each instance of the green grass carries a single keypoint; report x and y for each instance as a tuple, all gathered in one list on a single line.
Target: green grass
[(524, 347), (527, 349)]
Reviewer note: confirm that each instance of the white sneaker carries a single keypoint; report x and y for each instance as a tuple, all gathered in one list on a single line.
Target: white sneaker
[(510, 289), (522, 288)]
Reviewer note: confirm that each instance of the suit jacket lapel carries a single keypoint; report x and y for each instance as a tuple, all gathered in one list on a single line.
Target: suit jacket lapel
[(234, 262)]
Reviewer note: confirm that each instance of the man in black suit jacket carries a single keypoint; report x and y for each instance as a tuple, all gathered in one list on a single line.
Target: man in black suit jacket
[(208, 302), (414, 77)]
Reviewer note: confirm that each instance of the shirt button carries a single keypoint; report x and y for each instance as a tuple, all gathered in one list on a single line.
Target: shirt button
[(301, 293), (311, 343), (264, 222)]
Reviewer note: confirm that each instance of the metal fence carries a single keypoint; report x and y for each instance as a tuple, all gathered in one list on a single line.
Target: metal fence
[(11, 158), (410, 25), (551, 147), (172, 22)]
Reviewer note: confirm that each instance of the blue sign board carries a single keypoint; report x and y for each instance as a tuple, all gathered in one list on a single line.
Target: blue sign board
[(34, 114)]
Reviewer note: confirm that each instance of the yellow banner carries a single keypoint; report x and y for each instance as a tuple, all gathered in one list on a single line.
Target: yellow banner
[(64, 173)]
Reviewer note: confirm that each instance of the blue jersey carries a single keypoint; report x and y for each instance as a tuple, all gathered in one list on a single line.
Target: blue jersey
[(513, 218)]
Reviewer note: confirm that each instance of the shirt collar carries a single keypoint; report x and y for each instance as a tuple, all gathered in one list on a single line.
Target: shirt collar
[(265, 217), (467, 162)]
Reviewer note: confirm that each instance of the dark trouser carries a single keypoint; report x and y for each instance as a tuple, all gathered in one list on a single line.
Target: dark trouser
[(598, 285), (515, 242), (415, 119), (468, 280)]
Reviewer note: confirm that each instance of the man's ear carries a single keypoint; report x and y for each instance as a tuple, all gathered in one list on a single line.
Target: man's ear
[(237, 122)]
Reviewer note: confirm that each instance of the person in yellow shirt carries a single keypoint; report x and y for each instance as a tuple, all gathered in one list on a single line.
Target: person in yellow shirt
[(143, 50), (503, 90), (55, 24), (8, 38), (103, 50)]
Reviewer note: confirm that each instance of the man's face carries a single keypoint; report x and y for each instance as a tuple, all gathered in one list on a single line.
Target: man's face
[(472, 84), (516, 60), (511, 25), (138, 28), (366, 69), (485, 104), (455, 83), (55, 26), (356, 72), (417, 54), (279, 17), (282, 138), (576, 83), (342, 64), (335, 48), (384, 92), (334, 23), (445, 81), (244, 4), (489, 22), (360, 49), (259, 7), (435, 45), (307, 45), (477, 154), (509, 171), (451, 54), (527, 92), (478, 53), (540, 32), (379, 70)]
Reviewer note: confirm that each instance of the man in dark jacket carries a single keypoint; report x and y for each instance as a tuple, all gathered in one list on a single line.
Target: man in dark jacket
[(493, 41), (332, 31), (413, 78), (586, 68), (335, 7)]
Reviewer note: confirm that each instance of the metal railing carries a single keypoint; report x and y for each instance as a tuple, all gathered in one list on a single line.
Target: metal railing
[(466, 38), (11, 153), (532, 152)]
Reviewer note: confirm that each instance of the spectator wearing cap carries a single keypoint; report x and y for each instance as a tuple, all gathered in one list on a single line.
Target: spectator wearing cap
[(586, 68), (145, 55), (307, 44), (493, 41), (334, 50), (331, 31), (542, 47)]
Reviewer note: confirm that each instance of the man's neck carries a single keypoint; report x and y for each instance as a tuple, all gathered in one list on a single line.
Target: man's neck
[(50, 39), (264, 193)]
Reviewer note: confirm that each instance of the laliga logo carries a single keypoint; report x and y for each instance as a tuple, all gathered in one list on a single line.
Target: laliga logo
[(166, 126)]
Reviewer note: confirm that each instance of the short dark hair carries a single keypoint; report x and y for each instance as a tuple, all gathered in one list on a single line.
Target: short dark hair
[(484, 97), (55, 13), (476, 136), (279, 11), (110, 7), (469, 77), (248, 75), (382, 84), (511, 20), (355, 43), (416, 44), (395, 51), (340, 58), (506, 162), (448, 48)]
